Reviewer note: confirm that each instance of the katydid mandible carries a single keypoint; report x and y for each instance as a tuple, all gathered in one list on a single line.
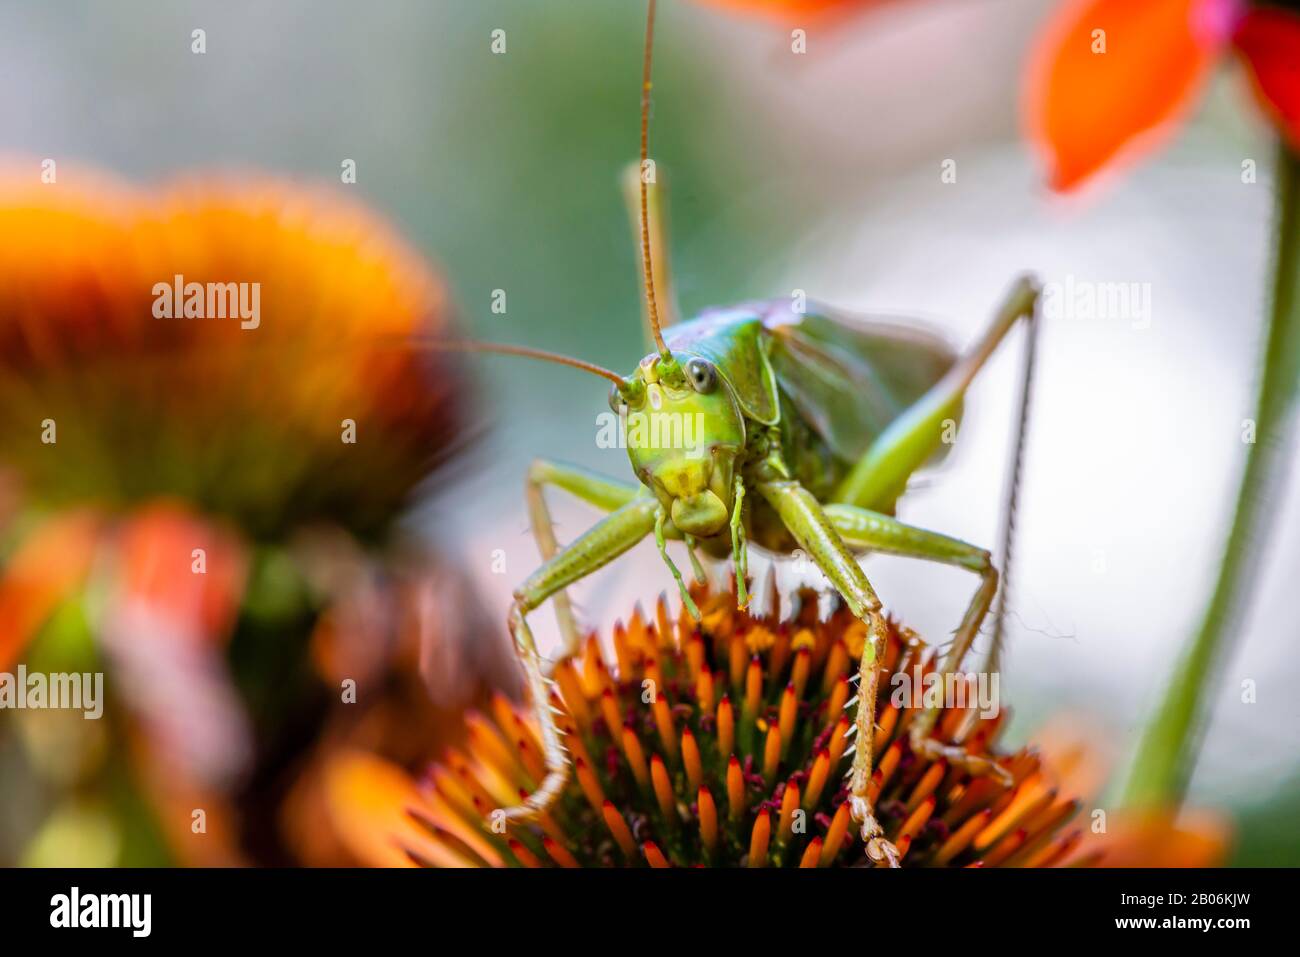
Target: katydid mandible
[(810, 425)]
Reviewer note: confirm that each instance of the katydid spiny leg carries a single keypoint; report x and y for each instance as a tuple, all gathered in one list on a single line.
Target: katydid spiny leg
[(804, 517), (599, 545), (881, 474), (883, 533), (739, 547), (1011, 494), (553, 750), (661, 516), (696, 568), (606, 494)]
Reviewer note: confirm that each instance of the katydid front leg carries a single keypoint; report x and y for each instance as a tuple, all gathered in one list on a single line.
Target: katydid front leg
[(604, 493), (739, 546), (661, 520), (877, 479), (807, 522), (599, 545), (884, 533)]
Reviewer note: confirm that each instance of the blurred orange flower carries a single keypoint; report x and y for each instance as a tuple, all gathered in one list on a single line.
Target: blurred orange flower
[(1120, 836), (1107, 79), (202, 473), (1160, 838), (244, 421)]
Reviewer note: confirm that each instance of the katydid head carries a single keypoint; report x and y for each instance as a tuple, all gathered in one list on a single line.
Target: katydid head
[(685, 431)]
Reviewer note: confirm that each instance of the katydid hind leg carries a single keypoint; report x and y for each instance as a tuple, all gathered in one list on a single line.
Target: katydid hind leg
[(553, 750), (1011, 495), (884, 533), (880, 476), (804, 517), (599, 545), (606, 494)]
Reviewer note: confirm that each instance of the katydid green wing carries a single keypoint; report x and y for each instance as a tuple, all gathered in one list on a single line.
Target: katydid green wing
[(849, 377)]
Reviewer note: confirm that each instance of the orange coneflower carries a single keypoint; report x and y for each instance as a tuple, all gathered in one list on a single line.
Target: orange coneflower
[(720, 743), (105, 400), (219, 483)]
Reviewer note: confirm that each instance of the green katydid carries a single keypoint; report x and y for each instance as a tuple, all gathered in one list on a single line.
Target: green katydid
[(809, 425)]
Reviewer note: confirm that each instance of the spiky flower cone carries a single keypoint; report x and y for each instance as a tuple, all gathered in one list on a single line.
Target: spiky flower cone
[(723, 744)]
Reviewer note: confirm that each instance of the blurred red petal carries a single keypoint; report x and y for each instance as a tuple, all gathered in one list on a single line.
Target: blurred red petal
[(182, 567), (1106, 77), (1269, 40), (48, 566), (179, 585)]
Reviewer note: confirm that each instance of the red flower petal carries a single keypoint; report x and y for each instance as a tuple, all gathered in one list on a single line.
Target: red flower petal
[(47, 567), (1269, 40), (179, 582), (183, 568), (1107, 76)]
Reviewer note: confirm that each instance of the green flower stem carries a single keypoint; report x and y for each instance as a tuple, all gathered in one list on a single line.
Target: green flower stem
[(1167, 752)]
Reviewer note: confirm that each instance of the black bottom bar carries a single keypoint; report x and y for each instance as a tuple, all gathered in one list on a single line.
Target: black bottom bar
[(493, 909)]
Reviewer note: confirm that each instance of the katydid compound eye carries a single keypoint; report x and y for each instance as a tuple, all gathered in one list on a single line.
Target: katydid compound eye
[(616, 400), (703, 376)]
